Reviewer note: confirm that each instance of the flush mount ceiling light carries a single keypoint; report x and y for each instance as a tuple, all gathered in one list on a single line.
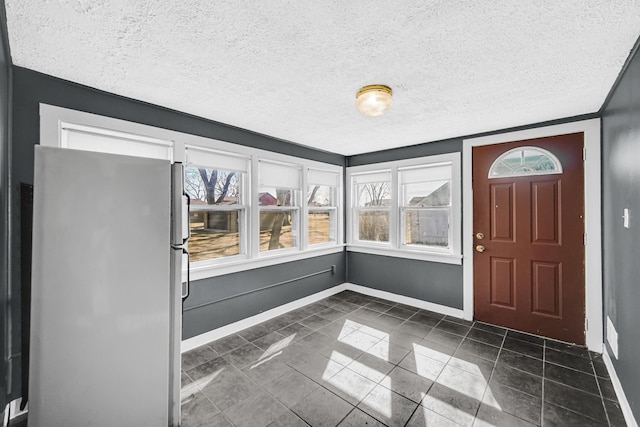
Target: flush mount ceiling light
[(374, 100)]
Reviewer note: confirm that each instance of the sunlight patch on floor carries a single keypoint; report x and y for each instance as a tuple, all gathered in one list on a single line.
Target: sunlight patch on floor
[(200, 383), (431, 353), (489, 399), (380, 400), (340, 358), (351, 384), (366, 370), (463, 382), (348, 327), (466, 366), (277, 347), (374, 332), (359, 340), (380, 350)]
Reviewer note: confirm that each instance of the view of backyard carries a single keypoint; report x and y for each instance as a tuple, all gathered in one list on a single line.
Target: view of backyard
[(206, 244), (217, 214)]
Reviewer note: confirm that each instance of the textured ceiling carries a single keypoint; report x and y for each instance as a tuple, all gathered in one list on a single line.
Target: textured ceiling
[(290, 69)]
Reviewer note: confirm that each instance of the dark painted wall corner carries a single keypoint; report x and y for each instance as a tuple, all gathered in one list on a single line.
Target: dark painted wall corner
[(621, 246), (5, 185)]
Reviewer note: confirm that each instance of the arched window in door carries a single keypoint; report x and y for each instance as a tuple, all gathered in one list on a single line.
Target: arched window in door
[(525, 161)]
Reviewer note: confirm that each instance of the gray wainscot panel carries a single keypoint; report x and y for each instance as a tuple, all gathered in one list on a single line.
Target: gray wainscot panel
[(202, 313), (429, 281)]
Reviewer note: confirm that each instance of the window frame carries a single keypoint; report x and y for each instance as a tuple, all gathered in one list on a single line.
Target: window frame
[(403, 207), (243, 221), (394, 247), (52, 119), (296, 226), (333, 208), (356, 210)]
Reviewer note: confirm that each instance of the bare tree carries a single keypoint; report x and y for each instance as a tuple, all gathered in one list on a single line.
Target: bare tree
[(211, 184), (280, 218), (193, 184), (374, 224), (313, 194), (375, 193)]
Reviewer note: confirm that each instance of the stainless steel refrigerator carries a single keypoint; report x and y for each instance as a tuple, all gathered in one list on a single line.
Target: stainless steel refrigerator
[(108, 236)]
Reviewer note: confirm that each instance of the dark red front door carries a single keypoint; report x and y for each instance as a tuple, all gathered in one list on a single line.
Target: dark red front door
[(529, 257)]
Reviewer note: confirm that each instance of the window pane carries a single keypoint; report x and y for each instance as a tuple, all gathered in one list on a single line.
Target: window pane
[(428, 227), (321, 226), (427, 194), (320, 195), (212, 186), (276, 197), (525, 161), (214, 234), (373, 226), (278, 230), (374, 194)]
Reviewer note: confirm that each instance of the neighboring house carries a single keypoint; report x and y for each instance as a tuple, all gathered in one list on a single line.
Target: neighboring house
[(430, 226), (267, 218), (267, 199), (213, 220)]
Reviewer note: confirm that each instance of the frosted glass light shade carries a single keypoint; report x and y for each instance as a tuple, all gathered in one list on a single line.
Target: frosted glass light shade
[(374, 100)]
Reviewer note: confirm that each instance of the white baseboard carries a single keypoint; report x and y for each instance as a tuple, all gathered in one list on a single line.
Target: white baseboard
[(207, 337), (622, 398), (414, 302)]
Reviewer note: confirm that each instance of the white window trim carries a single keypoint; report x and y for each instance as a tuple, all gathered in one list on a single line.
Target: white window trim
[(592, 212), (296, 207), (334, 207), (52, 119), (244, 227), (394, 248)]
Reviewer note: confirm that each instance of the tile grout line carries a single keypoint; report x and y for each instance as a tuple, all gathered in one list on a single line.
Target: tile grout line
[(544, 363), (495, 363), (544, 346), (319, 385), (475, 416), (438, 376), (604, 406), (398, 364)]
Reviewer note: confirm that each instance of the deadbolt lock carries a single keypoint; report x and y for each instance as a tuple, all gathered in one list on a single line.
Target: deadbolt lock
[(479, 236), (479, 248)]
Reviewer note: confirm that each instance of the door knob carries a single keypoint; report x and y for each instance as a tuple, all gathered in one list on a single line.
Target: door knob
[(479, 236), (479, 248)]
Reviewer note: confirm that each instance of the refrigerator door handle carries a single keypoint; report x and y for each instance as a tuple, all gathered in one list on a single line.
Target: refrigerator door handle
[(186, 227), (185, 285)]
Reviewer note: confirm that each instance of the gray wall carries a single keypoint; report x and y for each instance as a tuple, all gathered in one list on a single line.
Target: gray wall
[(31, 88), (5, 82), (429, 281), (420, 150), (621, 246), (202, 313)]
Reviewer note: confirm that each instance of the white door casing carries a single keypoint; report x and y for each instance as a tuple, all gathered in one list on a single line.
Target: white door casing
[(592, 209)]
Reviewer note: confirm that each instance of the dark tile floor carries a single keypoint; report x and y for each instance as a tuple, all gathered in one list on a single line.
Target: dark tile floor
[(355, 360)]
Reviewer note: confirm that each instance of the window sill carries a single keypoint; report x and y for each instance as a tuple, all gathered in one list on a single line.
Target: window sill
[(408, 254), (206, 271)]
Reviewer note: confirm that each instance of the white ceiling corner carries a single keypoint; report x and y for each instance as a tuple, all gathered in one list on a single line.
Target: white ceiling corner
[(291, 69)]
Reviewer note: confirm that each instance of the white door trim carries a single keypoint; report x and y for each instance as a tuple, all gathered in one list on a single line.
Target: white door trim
[(592, 210)]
